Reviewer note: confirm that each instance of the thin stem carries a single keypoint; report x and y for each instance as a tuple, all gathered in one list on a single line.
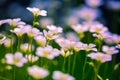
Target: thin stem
[(74, 63), (96, 69), (69, 61), (84, 66), (63, 67)]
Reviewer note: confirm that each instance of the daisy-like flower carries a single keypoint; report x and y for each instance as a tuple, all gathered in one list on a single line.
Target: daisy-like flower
[(37, 12), (18, 31), (32, 58), (102, 36), (65, 44), (79, 28), (37, 72), (40, 40), (15, 59), (89, 47), (49, 35), (58, 75), (26, 47), (15, 22), (109, 50), (99, 56), (65, 53), (32, 32), (98, 28), (47, 52), (54, 29)]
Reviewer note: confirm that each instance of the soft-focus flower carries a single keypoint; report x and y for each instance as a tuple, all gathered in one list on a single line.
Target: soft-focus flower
[(3, 21), (26, 47), (118, 46), (72, 36), (89, 47), (18, 31), (58, 75), (65, 44), (54, 29), (47, 52), (40, 40), (99, 56), (2, 38), (15, 22), (98, 28), (7, 42), (78, 46), (15, 59), (116, 38), (49, 35), (79, 28), (102, 36), (94, 3), (109, 50), (65, 53), (32, 32), (46, 21), (72, 20), (37, 72), (88, 14), (31, 58), (37, 12)]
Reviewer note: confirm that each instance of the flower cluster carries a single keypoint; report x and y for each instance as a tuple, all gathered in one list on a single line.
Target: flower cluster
[(45, 53)]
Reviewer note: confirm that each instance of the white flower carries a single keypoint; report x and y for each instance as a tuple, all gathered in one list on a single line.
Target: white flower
[(109, 50), (89, 47), (37, 12), (26, 47), (18, 31), (15, 22), (57, 75), (40, 40), (47, 52), (32, 58), (15, 59), (65, 44), (79, 28), (100, 56), (32, 32), (98, 28), (37, 72), (65, 53), (54, 29), (49, 35)]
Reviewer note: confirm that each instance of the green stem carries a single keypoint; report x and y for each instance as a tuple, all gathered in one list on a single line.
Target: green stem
[(11, 42), (69, 61), (19, 43), (74, 63), (63, 67), (84, 66), (96, 69)]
